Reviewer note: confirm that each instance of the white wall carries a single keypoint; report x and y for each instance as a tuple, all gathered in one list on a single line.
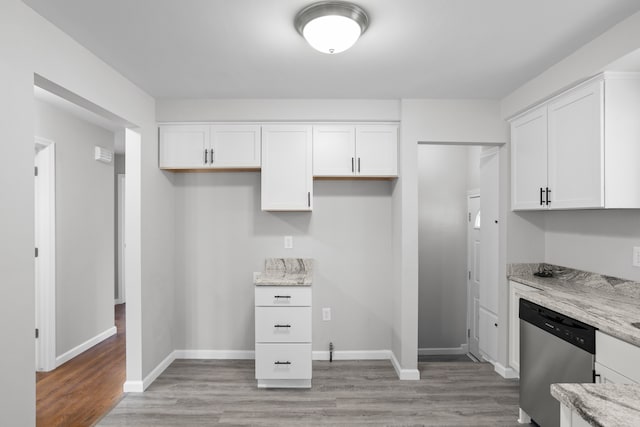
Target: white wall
[(223, 237), (118, 168), (84, 226), (447, 122), (29, 44), (442, 195), (473, 167)]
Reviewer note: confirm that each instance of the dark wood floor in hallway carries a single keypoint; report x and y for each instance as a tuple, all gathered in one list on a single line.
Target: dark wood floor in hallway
[(82, 390), (455, 392)]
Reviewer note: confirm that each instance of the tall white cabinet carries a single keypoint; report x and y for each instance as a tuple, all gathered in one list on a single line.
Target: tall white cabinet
[(579, 149), (287, 176)]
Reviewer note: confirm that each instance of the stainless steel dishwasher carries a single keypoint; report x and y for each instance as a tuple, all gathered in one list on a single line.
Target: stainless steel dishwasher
[(554, 348)]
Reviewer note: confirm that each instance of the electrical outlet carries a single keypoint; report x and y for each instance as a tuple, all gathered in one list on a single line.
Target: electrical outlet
[(636, 256), (255, 275), (288, 242), (326, 313)]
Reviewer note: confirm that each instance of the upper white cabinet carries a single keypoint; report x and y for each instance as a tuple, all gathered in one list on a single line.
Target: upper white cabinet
[(355, 151), (210, 146), (287, 180), (579, 150)]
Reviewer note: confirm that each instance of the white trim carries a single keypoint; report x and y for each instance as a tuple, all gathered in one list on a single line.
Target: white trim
[(158, 370), (214, 354), (489, 151), (404, 374), (121, 189), (117, 301), (504, 372), (463, 349), (45, 230), (85, 346), (284, 383), (354, 355), (133, 387)]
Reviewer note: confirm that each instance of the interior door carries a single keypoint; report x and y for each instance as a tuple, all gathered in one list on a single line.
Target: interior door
[(473, 276)]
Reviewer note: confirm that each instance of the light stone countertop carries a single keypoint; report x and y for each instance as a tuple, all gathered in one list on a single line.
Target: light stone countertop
[(602, 405), (612, 305), (286, 272)]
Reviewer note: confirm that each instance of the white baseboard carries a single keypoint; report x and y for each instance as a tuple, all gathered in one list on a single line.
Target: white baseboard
[(354, 355), (214, 354), (85, 346), (504, 372), (463, 349), (155, 373), (404, 374), (133, 387)]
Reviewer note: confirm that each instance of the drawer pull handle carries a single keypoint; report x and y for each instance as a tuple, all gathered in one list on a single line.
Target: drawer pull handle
[(281, 326), (282, 363), (283, 296)]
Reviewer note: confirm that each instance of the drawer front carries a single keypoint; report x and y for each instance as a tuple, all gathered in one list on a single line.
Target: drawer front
[(282, 296), (283, 324), (283, 361), (618, 355)]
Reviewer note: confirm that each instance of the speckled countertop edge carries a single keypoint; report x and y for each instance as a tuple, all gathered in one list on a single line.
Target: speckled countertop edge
[(611, 312), (603, 405), (286, 272)]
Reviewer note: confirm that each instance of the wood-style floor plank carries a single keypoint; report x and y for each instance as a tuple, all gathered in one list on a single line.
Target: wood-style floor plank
[(85, 388), (224, 392)]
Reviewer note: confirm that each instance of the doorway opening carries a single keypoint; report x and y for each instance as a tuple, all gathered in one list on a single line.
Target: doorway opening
[(458, 217)]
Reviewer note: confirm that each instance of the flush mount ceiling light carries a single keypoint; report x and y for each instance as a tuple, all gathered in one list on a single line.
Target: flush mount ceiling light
[(331, 26)]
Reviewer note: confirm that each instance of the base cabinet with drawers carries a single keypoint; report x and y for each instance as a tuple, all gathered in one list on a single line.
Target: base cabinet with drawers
[(283, 336)]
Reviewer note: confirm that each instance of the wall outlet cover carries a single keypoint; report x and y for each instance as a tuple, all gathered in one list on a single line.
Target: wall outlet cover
[(636, 256), (288, 242), (326, 313)]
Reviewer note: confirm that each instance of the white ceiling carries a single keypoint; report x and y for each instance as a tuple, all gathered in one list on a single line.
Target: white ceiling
[(412, 49)]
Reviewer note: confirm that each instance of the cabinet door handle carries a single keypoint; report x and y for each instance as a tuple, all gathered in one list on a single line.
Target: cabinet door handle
[(212, 156), (541, 193), (309, 198), (282, 363), (281, 326), (597, 378), (548, 201), (358, 164), (205, 156), (282, 296), (352, 164)]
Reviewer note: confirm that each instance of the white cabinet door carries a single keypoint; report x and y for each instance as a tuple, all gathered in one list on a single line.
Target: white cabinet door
[(576, 148), (377, 151), (619, 356), (488, 335), (529, 160), (334, 151), (287, 179), (184, 146), (235, 146), (605, 375)]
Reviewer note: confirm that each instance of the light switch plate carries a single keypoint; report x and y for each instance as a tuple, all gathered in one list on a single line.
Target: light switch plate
[(288, 242), (636, 256), (255, 275)]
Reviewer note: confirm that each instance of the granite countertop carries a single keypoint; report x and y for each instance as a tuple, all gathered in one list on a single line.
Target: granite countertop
[(602, 405), (286, 272), (612, 305)]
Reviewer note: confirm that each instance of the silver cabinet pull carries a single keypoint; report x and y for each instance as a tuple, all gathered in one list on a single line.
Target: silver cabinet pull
[(352, 163), (309, 198), (281, 326), (282, 296), (282, 363), (212, 156), (358, 164), (205, 156)]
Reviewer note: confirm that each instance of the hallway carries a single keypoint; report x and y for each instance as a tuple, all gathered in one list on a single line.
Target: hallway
[(85, 388)]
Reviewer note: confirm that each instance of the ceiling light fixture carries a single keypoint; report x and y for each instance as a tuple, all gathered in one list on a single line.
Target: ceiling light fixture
[(331, 26)]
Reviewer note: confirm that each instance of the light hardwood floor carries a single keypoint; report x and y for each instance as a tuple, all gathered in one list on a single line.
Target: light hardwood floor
[(82, 390), (223, 392)]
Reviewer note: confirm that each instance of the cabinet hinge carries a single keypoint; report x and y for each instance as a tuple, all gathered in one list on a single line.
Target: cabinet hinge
[(36, 252), (37, 333), (469, 216), (36, 171), (468, 333), (469, 275)]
